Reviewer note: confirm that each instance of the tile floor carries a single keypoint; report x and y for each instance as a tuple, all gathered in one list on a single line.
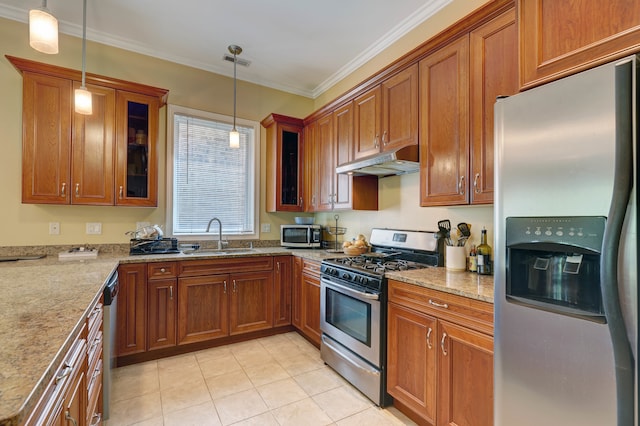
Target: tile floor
[(276, 380)]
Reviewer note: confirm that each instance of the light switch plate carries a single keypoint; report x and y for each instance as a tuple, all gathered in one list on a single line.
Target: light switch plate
[(266, 227), (94, 228), (54, 228)]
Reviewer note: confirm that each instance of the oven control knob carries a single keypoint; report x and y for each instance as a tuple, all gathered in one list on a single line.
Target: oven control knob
[(346, 276)]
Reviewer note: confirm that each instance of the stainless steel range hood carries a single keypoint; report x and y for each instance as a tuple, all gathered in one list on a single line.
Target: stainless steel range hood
[(388, 163)]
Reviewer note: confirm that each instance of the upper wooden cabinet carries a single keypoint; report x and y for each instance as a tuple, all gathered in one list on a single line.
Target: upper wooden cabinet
[(106, 158), (284, 190), (458, 87), (559, 38), (386, 117)]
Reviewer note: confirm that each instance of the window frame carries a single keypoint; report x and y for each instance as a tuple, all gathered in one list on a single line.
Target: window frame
[(173, 109)]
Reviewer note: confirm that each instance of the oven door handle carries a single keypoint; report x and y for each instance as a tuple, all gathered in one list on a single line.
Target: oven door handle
[(342, 354), (350, 291)]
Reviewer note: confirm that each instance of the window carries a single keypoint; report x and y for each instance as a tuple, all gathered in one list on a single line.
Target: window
[(207, 179)]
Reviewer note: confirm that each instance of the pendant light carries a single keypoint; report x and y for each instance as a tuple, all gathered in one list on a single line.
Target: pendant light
[(43, 30), (234, 135), (82, 95)]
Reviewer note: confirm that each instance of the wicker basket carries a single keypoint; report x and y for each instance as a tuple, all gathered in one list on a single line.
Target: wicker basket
[(355, 251)]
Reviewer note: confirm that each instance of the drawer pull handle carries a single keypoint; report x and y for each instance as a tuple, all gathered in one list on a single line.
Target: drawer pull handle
[(225, 286), (64, 189), (65, 373), (439, 305), (444, 337), (163, 270), (461, 186), (235, 287), (121, 192), (95, 420), (171, 292), (429, 338), (77, 189), (278, 265), (475, 183), (68, 417)]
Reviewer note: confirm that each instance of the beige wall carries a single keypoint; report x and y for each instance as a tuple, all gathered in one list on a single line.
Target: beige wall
[(23, 224)]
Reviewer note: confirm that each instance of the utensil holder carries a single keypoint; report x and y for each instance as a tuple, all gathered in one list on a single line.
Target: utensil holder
[(455, 258)]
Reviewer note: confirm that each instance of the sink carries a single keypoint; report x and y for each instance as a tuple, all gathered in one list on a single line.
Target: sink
[(211, 252)]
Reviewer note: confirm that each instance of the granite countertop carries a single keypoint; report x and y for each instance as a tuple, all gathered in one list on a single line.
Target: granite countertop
[(467, 284), (45, 302)]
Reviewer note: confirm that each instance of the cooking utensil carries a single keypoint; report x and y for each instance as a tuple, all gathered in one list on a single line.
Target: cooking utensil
[(465, 231), (445, 228)]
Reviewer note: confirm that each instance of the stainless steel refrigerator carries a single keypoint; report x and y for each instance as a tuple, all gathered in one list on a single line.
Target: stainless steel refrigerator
[(565, 255)]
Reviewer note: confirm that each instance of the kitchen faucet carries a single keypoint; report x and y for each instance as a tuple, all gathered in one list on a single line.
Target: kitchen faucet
[(220, 242)]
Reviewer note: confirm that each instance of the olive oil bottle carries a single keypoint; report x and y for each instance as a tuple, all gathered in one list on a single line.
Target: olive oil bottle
[(483, 253)]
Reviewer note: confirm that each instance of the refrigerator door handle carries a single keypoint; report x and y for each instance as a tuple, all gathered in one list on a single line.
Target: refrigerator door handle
[(622, 187)]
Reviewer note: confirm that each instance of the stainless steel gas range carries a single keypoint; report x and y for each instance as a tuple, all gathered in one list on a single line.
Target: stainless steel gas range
[(353, 305)]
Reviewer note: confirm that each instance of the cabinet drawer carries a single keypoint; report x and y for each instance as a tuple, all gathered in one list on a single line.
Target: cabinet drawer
[(194, 268), (471, 313), (94, 320), (161, 270), (94, 406), (94, 350), (310, 267)]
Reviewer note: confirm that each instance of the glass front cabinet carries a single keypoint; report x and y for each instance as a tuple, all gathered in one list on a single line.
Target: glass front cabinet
[(284, 163), (136, 174)]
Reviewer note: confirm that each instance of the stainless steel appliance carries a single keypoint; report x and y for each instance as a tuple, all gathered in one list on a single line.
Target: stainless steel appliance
[(566, 321), (353, 305), (301, 236), (110, 298)]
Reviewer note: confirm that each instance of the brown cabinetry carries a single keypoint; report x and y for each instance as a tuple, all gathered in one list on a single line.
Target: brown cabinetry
[(203, 308), (440, 356), (96, 159), (558, 38), (296, 293), (282, 283), (458, 86), (333, 140), (307, 299), (131, 321), (251, 306), (386, 116), (162, 301), (284, 154), (94, 366)]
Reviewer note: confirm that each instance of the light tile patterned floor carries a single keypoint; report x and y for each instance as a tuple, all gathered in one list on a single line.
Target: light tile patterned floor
[(277, 380)]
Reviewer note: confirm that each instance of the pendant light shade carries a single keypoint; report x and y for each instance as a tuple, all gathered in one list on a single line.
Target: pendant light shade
[(234, 135), (43, 30), (83, 100)]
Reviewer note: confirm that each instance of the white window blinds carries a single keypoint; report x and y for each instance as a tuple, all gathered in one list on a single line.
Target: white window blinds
[(210, 179)]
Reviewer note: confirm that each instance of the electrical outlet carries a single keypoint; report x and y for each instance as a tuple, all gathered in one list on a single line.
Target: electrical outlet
[(54, 228), (94, 228), (266, 227)]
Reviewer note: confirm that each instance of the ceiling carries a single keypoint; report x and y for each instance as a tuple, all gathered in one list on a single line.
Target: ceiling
[(301, 47)]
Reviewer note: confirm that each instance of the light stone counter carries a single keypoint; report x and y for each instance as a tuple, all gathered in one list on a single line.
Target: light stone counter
[(467, 284)]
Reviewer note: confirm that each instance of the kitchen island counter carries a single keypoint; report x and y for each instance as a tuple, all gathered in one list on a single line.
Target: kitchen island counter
[(467, 284)]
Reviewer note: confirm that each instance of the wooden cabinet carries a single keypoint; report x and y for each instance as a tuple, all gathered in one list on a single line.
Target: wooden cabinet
[(311, 179), (333, 143), (131, 321), (282, 283), (558, 38), (95, 364), (251, 302), (284, 156), (95, 159), (458, 86), (306, 310), (162, 302), (296, 293), (440, 356), (203, 308), (386, 116)]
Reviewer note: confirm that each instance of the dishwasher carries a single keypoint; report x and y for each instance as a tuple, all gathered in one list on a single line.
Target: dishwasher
[(109, 331)]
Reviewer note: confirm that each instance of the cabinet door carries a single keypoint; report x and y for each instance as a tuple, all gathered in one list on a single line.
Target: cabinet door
[(46, 145), (367, 123), (465, 381), (400, 109), (311, 307), (282, 290), (411, 360), (203, 308), (75, 402), (326, 163), (136, 157), (93, 145), (444, 125), (296, 296), (494, 72), (311, 178), (132, 309), (343, 119), (162, 312), (251, 302), (558, 38)]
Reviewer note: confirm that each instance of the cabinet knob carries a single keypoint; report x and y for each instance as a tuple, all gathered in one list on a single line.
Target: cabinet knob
[(163, 270), (475, 183)]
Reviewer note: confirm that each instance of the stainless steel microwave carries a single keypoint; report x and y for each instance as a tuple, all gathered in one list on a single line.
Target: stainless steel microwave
[(301, 236)]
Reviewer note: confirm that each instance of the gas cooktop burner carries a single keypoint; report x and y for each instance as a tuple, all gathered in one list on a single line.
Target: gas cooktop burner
[(378, 266)]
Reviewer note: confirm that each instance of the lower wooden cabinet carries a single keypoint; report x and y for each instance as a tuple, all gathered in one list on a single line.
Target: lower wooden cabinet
[(162, 307), (203, 308), (131, 321), (440, 356), (251, 306), (307, 299), (282, 283)]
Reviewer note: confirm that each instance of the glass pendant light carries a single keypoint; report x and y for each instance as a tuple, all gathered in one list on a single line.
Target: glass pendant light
[(82, 95), (43, 30), (234, 135)]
